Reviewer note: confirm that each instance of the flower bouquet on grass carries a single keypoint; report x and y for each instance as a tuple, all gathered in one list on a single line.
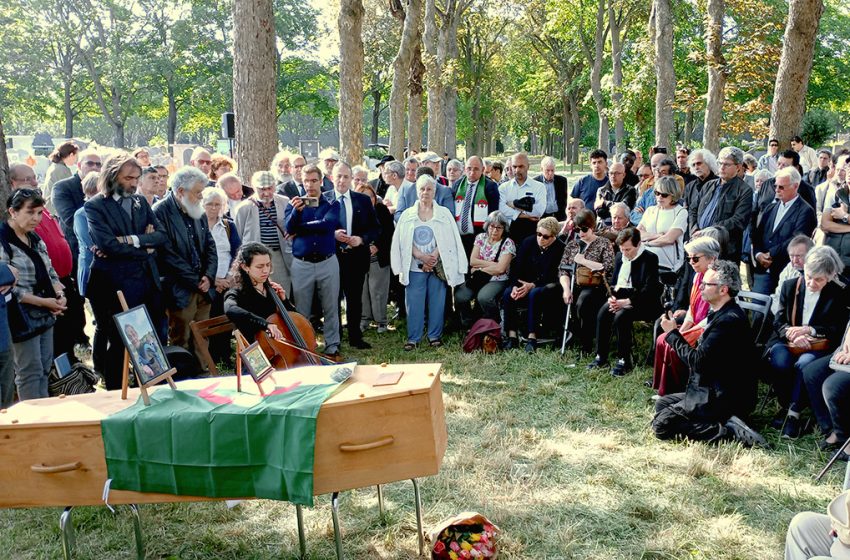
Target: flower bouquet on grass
[(467, 535)]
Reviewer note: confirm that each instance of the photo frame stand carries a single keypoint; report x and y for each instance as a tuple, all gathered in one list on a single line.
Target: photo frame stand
[(125, 370), (241, 344)]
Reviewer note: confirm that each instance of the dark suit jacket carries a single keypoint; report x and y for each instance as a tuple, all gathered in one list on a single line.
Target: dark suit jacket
[(174, 258), (646, 288), (800, 218), (67, 199), (533, 265), (289, 188), (385, 237), (124, 264), (327, 184), (732, 212), (561, 192), (767, 194), (364, 222), (829, 318), (491, 193), (716, 391)]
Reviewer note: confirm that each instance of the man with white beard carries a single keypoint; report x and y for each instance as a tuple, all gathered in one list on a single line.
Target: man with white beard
[(188, 260)]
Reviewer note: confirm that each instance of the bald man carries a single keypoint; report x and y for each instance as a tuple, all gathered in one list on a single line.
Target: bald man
[(616, 190), (475, 197), (557, 189)]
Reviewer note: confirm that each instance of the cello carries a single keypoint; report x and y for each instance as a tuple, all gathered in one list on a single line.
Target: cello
[(299, 339)]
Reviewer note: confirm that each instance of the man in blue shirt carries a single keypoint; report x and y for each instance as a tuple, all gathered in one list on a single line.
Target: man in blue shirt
[(313, 220), (587, 186)]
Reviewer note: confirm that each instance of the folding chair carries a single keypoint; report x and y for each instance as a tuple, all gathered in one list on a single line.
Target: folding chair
[(758, 307), (202, 330)]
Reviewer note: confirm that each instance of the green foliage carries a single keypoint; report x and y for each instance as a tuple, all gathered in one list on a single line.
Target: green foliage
[(818, 126)]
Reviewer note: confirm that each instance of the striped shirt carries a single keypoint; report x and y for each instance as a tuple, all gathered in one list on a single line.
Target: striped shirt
[(268, 226)]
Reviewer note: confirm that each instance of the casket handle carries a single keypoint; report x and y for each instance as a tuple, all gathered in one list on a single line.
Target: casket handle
[(384, 441), (48, 469)]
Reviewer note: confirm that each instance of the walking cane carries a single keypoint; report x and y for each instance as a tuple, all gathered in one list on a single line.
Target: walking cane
[(567, 334)]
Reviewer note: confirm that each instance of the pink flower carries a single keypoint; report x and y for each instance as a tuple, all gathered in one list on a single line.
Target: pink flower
[(439, 547), (454, 546)]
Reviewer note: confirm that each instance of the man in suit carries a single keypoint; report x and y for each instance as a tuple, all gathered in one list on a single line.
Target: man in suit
[(379, 185), (329, 158), (716, 394), (68, 194), (767, 193), (261, 218), (475, 197), (188, 261), (294, 186), (127, 235), (637, 296), (725, 202), (358, 227), (785, 218), (556, 189), (408, 196)]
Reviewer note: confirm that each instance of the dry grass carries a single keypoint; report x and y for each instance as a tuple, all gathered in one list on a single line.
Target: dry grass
[(561, 459)]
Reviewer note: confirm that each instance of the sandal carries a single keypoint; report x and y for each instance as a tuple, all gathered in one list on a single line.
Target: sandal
[(436, 343), (409, 346)]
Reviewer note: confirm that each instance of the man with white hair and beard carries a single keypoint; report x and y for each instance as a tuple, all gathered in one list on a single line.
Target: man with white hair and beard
[(127, 236), (188, 260)]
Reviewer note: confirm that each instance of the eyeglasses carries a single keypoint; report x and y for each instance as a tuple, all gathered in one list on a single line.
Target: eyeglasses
[(702, 285), (544, 236), (204, 161), (774, 145), (662, 194), (90, 163), (694, 258), (495, 226)]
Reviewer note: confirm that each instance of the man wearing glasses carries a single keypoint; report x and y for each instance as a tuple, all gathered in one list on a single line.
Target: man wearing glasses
[(201, 159), (769, 160), (716, 395), (68, 194)]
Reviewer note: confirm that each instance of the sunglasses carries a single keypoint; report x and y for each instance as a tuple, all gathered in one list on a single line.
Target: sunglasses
[(204, 161), (584, 229), (24, 194), (662, 194), (89, 163), (545, 236), (694, 258)]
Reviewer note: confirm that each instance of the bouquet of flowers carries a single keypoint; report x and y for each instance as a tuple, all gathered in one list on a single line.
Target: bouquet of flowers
[(465, 536)]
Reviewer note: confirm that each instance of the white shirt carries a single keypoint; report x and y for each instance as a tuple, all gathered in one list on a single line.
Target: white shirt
[(660, 221), (808, 158), (349, 211), (810, 300), (782, 210), (510, 191), (392, 195), (222, 249), (788, 273)]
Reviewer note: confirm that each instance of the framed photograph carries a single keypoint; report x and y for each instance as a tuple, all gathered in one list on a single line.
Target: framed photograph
[(257, 363), (146, 354)]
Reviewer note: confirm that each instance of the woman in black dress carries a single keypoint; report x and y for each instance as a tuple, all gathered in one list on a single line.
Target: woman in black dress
[(249, 303)]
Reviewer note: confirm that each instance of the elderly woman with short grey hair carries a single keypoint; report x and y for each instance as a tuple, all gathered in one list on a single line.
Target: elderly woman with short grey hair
[(670, 374), (490, 261), (809, 324), (454, 171)]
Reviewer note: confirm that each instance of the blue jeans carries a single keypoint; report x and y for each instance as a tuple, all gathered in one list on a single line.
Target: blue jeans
[(32, 365), (424, 286), (787, 375), (763, 283)]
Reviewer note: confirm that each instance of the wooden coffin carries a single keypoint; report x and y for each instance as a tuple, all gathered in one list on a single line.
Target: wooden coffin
[(51, 450)]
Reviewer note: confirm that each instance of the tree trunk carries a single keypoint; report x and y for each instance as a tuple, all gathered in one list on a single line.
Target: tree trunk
[(415, 117), (68, 109), (716, 64), (450, 93), (376, 114), (567, 123), (254, 74), (434, 55), (350, 25), (401, 74), (616, 80), (171, 121), (689, 127), (596, 75), (5, 185), (574, 109), (665, 75), (795, 66), (118, 137)]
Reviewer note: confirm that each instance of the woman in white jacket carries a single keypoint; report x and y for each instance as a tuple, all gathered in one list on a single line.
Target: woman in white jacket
[(427, 254)]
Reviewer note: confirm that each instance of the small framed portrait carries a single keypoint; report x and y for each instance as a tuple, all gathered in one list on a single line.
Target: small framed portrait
[(146, 354), (257, 363)]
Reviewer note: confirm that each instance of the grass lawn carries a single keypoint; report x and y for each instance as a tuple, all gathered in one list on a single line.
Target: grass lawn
[(561, 459)]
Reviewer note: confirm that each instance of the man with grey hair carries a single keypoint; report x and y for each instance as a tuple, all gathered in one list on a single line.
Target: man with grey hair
[(703, 165), (716, 394), (188, 260), (797, 249), (393, 174), (329, 158), (785, 218), (411, 164), (68, 194), (725, 202), (261, 218), (556, 189), (454, 171), (202, 160)]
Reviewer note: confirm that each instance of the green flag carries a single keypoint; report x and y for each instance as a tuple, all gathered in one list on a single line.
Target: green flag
[(218, 443)]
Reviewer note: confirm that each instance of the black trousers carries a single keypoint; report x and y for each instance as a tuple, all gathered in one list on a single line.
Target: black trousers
[(538, 301), (353, 266), (70, 326), (219, 345), (587, 302), (622, 322), (672, 422), (829, 396)]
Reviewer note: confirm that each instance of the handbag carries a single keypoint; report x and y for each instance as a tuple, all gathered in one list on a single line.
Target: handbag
[(587, 278), (27, 321), (79, 381), (817, 344), (478, 278)]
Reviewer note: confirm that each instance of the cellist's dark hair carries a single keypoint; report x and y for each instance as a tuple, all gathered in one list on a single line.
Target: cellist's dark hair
[(246, 255)]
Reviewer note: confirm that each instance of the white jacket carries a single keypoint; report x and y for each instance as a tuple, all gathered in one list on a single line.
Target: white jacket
[(448, 240)]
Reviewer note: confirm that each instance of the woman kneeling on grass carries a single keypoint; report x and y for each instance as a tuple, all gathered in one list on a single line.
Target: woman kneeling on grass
[(427, 254)]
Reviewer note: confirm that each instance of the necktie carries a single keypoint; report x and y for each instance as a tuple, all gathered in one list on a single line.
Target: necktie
[(343, 218), (126, 204), (466, 209), (301, 190)]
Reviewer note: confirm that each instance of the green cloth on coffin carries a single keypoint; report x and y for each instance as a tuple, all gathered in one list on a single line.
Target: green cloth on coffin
[(199, 443)]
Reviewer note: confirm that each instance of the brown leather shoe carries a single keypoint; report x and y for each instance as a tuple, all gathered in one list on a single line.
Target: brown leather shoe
[(335, 357)]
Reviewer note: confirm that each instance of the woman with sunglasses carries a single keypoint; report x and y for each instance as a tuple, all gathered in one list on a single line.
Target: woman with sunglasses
[(39, 293), (663, 226), (593, 252), (532, 283), (670, 374)]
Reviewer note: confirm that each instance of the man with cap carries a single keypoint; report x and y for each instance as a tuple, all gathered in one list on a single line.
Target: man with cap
[(379, 185), (261, 218), (435, 163), (820, 536), (329, 158)]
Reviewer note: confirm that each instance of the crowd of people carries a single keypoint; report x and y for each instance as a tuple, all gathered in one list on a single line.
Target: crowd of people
[(664, 241)]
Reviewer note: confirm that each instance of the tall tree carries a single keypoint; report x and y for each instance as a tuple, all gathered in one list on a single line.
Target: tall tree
[(350, 25), (5, 185), (254, 73), (382, 33), (595, 53), (411, 16), (661, 23), (620, 13), (416, 90), (795, 66), (717, 71)]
